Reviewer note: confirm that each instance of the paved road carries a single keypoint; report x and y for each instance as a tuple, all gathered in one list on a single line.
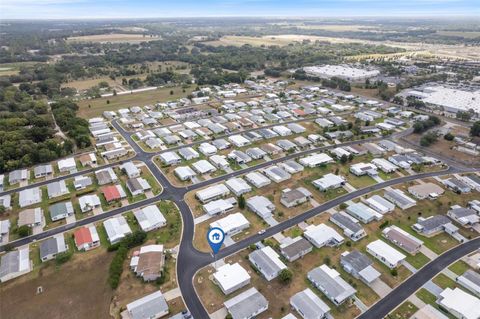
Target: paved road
[(190, 260)]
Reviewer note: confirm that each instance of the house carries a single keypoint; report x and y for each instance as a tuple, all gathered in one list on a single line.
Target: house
[(471, 281), (360, 169), (256, 153), (309, 305), (434, 225), (207, 149), (221, 144), (171, 139), (188, 153), (322, 122), (231, 224), (67, 165), (294, 248), (339, 152), (150, 218), (4, 228), (380, 204), (184, 173), (148, 262), (329, 282), (296, 128), (89, 202), (316, 159), (402, 239), (88, 159), (261, 206), (154, 142), (219, 206), (295, 197), (267, 262), (459, 303), (6, 201), (152, 306), (170, 158), (282, 130), (426, 190), (384, 165), (271, 149), (43, 170), (86, 238), (138, 186), (31, 217), (113, 192), (14, 264), (329, 181), (82, 182), (350, 226), (257, 179), (276, 174), (385, 253), (115, 153), (130, 169), (246, 305), (17, 176), (399, 198), (117, 228), (323, 235), (61, 210), (457, 185), (363, 213), (238, 140), (291, 167), (203, 167), (52, 246), (212, 192), (238, 186), (359, 266), (220, 162), (464, 216), (231, 277), (106, 176), (302, 142), (57, 189), (239, 156)]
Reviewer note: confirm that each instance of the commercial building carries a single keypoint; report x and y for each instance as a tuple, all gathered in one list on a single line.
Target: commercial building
[(341, 71)]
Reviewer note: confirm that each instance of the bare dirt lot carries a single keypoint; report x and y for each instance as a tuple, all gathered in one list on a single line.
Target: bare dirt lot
[(86, 295)]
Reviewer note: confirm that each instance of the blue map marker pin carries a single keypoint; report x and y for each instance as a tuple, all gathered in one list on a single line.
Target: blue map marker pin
[(215, 237)]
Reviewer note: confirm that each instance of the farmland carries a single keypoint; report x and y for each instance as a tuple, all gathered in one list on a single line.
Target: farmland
[(114, 37)]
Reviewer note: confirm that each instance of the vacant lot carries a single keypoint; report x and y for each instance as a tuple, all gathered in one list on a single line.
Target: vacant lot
[(85, 295), (113, 37), (95, 107)]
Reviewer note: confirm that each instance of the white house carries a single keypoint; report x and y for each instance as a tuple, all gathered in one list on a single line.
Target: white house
[(231, 224), (385, 253), (117, 228), (150, 218)]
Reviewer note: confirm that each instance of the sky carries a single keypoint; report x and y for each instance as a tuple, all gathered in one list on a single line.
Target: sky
[(81, 9)]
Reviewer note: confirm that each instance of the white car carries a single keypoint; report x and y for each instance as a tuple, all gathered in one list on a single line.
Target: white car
[(261, 232)]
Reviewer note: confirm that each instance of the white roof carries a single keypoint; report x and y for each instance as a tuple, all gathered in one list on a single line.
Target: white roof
[(184, 172), (328, 180), (149, 216), (89, 201), (218, 206), (238, 140), (257, 179), (386, 251), (116, 228), (322, 233), (315, 159), (461, 302), (203, 166), (207, 148), (238, 185), (66, 163), (231, 222), (168, 157), (212, 192), (228, 276)]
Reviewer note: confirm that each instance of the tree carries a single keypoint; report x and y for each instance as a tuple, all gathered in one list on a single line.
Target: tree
[(394, 272), (241, 202), (475, 129), (449, 137), (285, 276), (344, 159), (23, 231)]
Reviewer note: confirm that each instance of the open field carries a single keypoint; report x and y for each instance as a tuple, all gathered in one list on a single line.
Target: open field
[(463, 34), (7, 69), (405, 311), (113, 37), (82, 283), (95, 107)]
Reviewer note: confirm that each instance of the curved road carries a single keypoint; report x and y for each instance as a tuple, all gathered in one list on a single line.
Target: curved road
[(190, 260)]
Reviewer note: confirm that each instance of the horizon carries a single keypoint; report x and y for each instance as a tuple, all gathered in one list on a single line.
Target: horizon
[(150, 9)]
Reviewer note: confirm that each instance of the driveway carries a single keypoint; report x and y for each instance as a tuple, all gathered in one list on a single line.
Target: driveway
[(380, 288)]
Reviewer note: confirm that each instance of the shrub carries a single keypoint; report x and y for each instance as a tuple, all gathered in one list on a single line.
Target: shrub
[(285, 276)]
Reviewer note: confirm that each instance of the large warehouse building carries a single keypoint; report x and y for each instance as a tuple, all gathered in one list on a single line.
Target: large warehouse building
[(341, 71)]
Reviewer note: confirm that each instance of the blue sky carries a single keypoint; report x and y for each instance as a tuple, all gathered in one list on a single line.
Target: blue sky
[(43, 9)]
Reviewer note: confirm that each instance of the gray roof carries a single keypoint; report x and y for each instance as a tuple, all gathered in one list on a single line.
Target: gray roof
[(48, 247), (356, 260), (402, 200), (264, 262), (472, 276), (309, 304), (246, 304), (335, 289), (462, 212), (9, 263), (434, 222), (148, 306), (298, 244), (346, 222)]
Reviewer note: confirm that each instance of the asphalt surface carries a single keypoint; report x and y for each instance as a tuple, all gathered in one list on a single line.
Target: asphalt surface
[(190, 260)]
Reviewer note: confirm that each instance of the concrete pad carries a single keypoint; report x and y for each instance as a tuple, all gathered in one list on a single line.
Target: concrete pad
[(279, 237), (360, 305), (349, 188), (271, 221), (228, 241), (302, 225), (428, 252), (124, 202), (416, 301), (243, 166), (378, 179), (433, 288), (97, 211), (380, 288), (450, 274), (409, 266), (314, 203), (201, 219), (149, 194), (172, 294), (70, 219)]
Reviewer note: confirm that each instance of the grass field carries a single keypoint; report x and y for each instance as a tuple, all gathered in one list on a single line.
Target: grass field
[(463, 34), (405, 311), (7, 69), (95, 107), (113, 37)]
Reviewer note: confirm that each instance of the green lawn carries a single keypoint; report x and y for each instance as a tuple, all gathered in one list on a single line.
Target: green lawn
[(426, 296), (444, 282), (405, 311), (459, 267), (417, 261)]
